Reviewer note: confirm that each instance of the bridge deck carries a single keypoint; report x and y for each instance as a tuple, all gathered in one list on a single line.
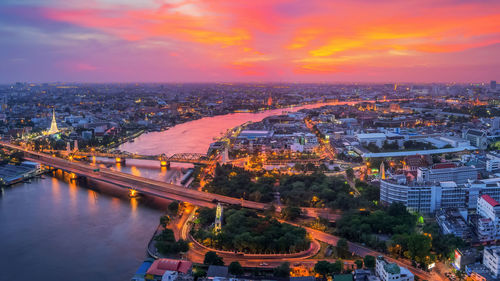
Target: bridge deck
[(144, 185), (194, 158)]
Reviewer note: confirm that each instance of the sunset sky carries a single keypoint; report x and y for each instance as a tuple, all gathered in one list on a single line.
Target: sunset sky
[(249, 40)]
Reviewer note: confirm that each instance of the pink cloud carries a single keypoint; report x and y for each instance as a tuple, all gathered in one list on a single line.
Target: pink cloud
[(271, 39)]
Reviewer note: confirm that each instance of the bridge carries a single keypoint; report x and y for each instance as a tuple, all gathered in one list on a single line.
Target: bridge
[(192, 158), (303, 161), (142, 185)]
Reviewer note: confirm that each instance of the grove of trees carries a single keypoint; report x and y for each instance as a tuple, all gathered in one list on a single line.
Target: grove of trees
[(244, 231), (315, 190), (166, 244), (364, 227)]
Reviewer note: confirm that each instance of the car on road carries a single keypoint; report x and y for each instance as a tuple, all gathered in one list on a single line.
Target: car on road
[(263, 264)]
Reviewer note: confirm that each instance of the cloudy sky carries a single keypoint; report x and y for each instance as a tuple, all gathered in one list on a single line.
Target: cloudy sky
[(249, 40)]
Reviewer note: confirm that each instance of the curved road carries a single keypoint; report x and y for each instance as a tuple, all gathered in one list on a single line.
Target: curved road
[(170, 191), (197, 252)]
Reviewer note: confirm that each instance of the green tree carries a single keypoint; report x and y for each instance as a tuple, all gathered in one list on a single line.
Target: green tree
[(369, 261), (235, 268), (211, 258), (282, 270), (322, 268), (342, 248), (166, 244), (198, 272), (336, 267), (419, 248), (173, 207), (359, 264), (291, 213), (183, 245), (164, 220)]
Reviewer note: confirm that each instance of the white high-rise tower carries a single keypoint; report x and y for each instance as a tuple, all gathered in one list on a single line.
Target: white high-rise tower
[(218, 218)]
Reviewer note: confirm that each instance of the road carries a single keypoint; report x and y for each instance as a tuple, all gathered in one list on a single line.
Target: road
[(363, 251), (195, 197), (197, 251), (142, 185), (145, 185)]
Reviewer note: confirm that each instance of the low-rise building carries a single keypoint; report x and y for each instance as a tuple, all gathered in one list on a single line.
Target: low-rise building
[(464, 257), (479, 272), (140, 274), (375, 138), (477, 138), (170, 269), (254, 134), (217, 272), (455, 141), (392, 272), (453, 221), (446, 172)]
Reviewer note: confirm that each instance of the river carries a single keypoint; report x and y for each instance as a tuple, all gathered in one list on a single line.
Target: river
[(56, 229), (196, 136)]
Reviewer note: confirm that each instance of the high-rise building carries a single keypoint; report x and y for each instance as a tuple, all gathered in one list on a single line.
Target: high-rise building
[(493, 84), (427, 198), (489, 210), (491, 259)]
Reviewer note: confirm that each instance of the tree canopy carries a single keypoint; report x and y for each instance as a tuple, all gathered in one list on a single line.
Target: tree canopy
[(244, 231), (211, 258)]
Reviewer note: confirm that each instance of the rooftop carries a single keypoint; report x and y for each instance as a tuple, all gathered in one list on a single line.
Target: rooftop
[(159, 266), (372, 135), (392, 268), (415, 152), (490, 200), (217, 271)]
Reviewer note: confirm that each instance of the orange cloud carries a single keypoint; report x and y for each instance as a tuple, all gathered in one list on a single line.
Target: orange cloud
[(267, 37)]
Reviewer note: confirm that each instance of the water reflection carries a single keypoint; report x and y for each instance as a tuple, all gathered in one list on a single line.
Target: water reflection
[(196, 136), (133, 205), (72, 193), (92, 201), (56, 189), (135, 171), (63, 228)]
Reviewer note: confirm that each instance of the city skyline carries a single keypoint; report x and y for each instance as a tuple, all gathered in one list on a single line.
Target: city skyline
[(238, 41)]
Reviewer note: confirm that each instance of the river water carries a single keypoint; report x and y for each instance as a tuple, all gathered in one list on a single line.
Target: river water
[(56, 229), (196, 136)]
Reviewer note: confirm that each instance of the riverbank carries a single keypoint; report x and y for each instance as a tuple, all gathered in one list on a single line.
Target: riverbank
[(12, 174), (132, 137), (84, 231), (196, 136)]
